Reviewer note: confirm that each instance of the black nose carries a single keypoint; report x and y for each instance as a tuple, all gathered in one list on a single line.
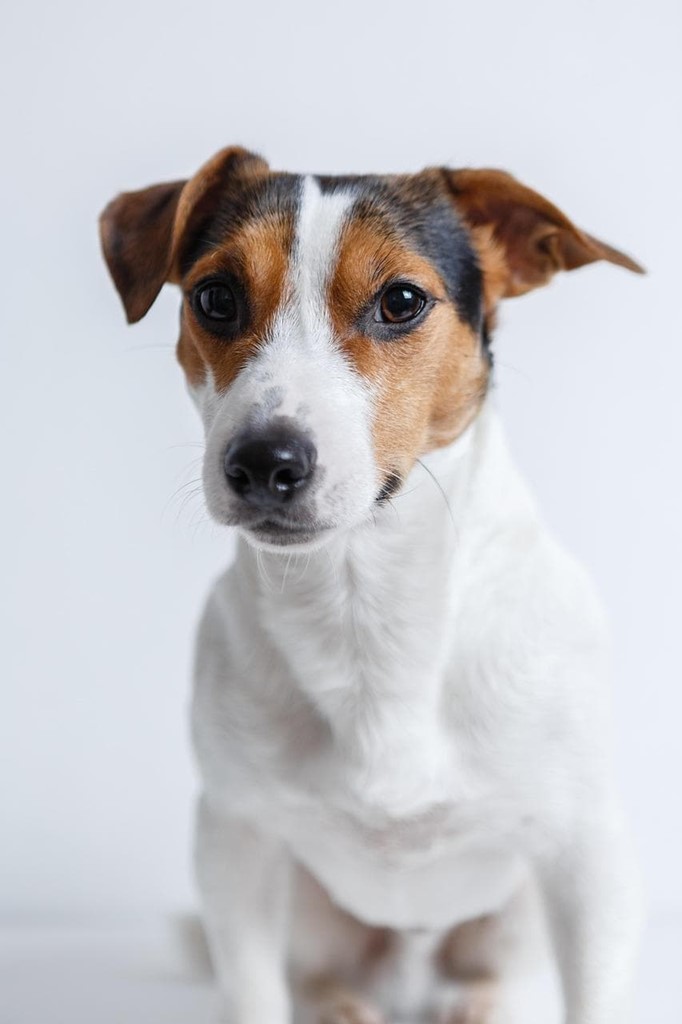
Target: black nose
[(269, 469)]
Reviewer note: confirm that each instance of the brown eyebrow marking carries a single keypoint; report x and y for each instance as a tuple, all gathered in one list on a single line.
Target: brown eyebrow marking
[(258, 252), (427, 384), (369, 257)]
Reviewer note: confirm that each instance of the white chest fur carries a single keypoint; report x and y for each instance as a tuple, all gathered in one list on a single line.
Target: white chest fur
[(384, 704)]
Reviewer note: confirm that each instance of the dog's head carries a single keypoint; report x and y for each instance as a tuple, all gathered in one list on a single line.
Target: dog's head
[(333, 329)]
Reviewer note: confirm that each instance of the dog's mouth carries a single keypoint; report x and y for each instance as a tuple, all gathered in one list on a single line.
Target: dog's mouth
[(280, 530), (275, 531)]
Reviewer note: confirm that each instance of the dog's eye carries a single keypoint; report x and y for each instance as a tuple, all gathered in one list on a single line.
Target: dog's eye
[(217, 301), (400, 303)]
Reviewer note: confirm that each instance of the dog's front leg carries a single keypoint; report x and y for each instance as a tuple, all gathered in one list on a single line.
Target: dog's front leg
[(592, 895), (244, 880)]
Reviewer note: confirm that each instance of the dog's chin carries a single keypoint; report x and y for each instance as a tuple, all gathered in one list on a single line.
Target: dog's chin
[(285, 537)]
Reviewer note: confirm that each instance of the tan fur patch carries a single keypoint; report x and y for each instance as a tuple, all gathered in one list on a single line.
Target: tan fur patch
[(429, 383), (493, 264), (336, 1003), (476, 1005), (470, 951), (257, 254)]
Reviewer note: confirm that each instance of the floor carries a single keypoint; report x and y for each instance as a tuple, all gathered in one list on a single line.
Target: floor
[(152, 974)]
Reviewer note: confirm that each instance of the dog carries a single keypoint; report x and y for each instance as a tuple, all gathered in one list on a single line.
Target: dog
[(399, 711)]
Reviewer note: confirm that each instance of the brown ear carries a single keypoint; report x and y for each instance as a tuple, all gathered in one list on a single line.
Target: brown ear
[(141, 231), (523, 237), (136, 229)]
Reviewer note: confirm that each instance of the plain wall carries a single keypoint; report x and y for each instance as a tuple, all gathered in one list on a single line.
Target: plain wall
[(106, 556)]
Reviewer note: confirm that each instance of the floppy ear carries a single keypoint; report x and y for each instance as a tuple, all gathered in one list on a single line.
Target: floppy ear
[(141, 231), (522, 237), (136, 230)]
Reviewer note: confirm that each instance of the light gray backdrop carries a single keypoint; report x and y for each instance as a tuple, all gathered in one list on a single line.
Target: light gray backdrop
[(106, 563)]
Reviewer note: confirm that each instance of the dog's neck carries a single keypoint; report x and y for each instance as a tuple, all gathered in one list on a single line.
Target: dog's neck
[(366, 623)]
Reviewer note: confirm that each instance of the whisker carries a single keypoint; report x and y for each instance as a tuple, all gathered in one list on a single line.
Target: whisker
[(199, 520), (394, 509), (305, 569), (332, 566), (188, 483), (440, 488), (187, 500), (178, 495), (403, 494), (286, 572), (262, 570), (514, 369)]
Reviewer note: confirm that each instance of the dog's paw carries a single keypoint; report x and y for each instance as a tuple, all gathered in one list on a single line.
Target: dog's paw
[(474, 1004)]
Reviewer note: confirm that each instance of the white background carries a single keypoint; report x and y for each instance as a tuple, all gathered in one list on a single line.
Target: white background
[(105, 566)]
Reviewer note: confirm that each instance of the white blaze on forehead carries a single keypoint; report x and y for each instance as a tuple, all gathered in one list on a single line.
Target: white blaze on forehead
[(320, 222), (301, 372)]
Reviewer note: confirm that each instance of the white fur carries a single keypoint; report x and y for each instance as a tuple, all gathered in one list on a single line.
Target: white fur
[(411, 713), (300, 373)]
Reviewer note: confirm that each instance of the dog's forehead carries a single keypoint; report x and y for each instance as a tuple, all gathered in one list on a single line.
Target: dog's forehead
[(411, 203), (412, 210)]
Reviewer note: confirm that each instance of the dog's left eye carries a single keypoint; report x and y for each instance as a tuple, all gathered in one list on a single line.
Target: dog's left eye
[(400, 303), (217, 301)]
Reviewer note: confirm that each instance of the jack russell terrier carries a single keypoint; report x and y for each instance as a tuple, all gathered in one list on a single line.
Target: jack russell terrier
[(399, 711)]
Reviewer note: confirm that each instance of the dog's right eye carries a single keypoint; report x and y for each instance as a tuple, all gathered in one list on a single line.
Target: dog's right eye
[(216, 301)]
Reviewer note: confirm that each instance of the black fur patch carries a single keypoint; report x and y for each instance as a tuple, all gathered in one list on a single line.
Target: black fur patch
[(241, 200), (392, 483)]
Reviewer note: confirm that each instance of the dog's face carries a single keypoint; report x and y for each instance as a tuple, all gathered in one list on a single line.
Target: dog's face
[(332, 329)]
